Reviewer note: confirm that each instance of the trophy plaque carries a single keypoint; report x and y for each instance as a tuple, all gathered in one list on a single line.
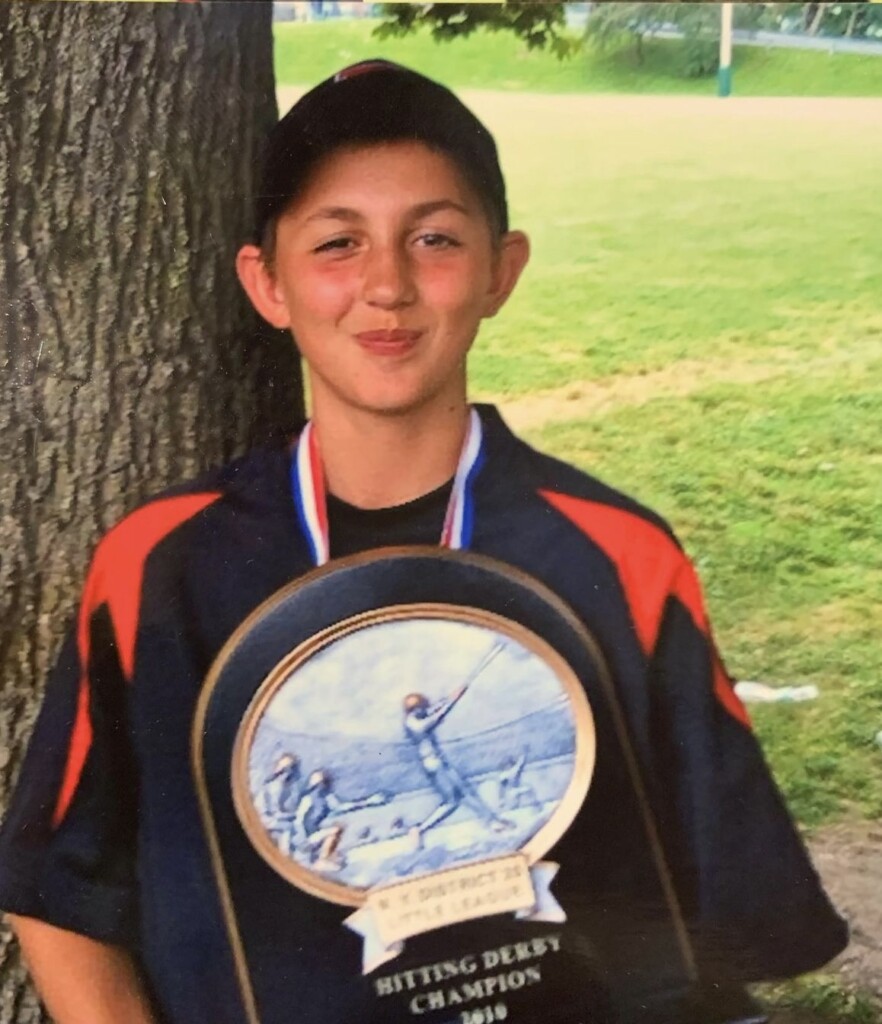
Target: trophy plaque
[(422, 804)]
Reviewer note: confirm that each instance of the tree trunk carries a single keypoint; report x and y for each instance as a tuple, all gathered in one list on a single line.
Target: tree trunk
[(128, 134), (815, 26)]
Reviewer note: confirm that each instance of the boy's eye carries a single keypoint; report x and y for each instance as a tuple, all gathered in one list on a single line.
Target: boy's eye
[(437, 240), (335, 245)]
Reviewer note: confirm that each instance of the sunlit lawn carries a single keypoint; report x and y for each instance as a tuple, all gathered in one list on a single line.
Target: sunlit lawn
[(718, 266)]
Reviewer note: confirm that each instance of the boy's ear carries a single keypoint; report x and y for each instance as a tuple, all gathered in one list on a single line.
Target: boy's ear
[(261, 287), (511, 258)]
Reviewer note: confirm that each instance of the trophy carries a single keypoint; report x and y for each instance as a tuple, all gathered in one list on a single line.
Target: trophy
[(423, 803)]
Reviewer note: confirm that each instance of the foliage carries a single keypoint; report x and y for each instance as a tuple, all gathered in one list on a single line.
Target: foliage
[(850, 19), (612, 24), (543, 25), (538, 25), (834, 19)]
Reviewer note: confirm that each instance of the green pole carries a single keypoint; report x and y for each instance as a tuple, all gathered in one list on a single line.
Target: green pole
[(724, 78)]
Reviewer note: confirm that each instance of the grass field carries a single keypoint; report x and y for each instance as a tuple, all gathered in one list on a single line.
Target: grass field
[(703, 316), (310, 52)]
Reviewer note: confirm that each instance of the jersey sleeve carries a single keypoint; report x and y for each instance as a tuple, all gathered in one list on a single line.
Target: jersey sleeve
[(68, 845), (753, 902), (67, 842)]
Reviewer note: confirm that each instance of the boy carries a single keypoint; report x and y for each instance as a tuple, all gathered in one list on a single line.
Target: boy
[(382, 241)]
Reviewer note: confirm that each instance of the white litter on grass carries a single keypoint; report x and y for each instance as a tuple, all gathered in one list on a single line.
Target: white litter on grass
[(760, 693), (879, 738)]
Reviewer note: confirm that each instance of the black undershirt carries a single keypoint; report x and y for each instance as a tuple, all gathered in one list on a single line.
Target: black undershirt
[(354, 529)]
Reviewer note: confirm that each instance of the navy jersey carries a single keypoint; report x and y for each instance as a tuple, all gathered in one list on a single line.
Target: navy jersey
[(104, 835)]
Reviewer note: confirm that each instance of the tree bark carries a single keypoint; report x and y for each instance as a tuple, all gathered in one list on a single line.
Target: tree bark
[(820, 11), (128, 137)]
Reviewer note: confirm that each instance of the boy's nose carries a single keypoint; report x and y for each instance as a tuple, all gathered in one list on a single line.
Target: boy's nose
[(388, 280)]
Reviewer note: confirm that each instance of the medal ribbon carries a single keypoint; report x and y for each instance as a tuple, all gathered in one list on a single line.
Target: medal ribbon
[(308, 489)]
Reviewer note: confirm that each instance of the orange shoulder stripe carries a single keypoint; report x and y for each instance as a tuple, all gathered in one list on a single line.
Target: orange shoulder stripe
[(114, 579), (651, 568)]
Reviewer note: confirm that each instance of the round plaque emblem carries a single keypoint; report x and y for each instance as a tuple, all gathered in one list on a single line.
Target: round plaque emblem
[(408, 742)]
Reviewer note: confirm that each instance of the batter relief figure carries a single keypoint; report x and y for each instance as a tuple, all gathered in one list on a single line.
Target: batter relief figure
[(421, 721)]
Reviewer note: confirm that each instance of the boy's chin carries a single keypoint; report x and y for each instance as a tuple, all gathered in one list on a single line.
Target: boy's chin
[(400, 405)]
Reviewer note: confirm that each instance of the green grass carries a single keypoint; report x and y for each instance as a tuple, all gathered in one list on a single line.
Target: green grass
[(730, 307), (824, 997), (715, 274), (777, 493), (678, 230), (306, 53)]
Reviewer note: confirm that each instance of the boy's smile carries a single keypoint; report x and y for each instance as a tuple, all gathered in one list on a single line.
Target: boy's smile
[(384, 268)]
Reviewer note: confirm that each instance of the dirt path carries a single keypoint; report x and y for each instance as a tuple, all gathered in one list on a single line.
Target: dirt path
[(849, 859), (582, 399)]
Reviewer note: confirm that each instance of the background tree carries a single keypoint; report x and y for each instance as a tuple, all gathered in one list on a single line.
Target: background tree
[(544, 25), (625, 23), (833, 19), (128, 134), (622, 23), (538, 24), (851, 20)]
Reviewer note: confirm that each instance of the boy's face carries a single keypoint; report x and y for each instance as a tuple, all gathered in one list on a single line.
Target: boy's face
[(383, 271)]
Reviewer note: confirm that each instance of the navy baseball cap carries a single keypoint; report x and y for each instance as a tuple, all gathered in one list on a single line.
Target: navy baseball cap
[(370, 103)]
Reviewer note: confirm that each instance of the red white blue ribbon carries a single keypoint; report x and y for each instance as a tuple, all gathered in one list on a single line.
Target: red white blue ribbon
[(308, 489)]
